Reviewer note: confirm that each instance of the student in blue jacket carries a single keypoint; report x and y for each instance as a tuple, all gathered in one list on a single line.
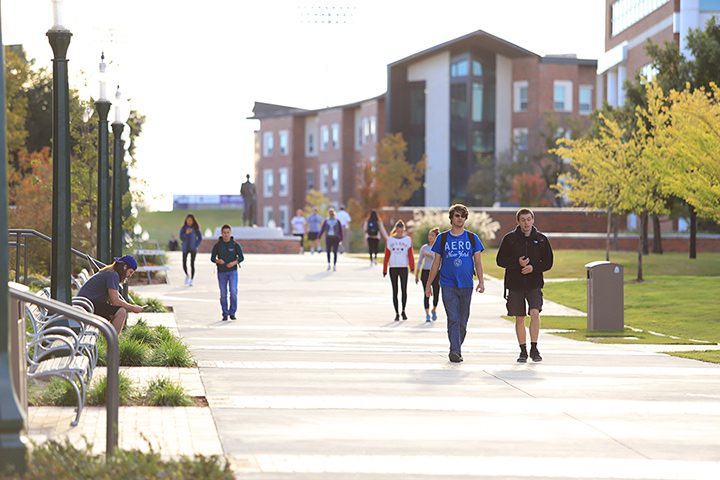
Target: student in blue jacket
[(191, 237), (227, 255)]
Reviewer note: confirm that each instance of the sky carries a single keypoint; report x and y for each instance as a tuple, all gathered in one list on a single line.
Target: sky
[(194, 68)]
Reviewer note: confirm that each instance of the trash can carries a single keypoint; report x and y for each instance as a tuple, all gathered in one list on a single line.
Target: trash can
[(605, 302)]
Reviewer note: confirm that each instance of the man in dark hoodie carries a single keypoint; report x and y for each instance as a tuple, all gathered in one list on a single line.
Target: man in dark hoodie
[(227, 255), (525, 254)]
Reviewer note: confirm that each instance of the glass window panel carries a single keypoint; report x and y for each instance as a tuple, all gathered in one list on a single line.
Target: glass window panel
[(477, 68), (458, 102), (477, 102), (459, 68), (559, 98)]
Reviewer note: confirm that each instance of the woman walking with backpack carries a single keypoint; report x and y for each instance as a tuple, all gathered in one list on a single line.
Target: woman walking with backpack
[(372, 228), (191, 237), (333, 230), (399, 257), (422, 272)]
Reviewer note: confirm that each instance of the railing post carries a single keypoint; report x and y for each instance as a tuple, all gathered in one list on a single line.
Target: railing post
[(17, 258)]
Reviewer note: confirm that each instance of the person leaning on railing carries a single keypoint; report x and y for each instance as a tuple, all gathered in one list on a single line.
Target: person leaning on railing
[(103, 290)]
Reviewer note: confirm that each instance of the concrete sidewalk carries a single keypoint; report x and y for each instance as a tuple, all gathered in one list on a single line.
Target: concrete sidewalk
[(316, 380)]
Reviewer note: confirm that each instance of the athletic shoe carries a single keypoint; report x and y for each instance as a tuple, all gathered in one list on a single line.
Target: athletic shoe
[(455, 357), (523, 357), (397, 317), (328, 267), (427, 317), (190, 282), (224, 319), (187, 280), (535, 355), (334, 268), (434, 315), (404, 316), (233, 317)]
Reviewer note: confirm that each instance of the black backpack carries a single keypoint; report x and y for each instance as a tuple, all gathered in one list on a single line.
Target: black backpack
[(372, 228)]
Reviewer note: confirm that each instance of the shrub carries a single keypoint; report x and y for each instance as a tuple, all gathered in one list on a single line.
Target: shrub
[(171, 352), (132, 352), (64, 461), (96, 393), (152, 305), (477, 222), (56, 392), (142, 333), (162, 392)]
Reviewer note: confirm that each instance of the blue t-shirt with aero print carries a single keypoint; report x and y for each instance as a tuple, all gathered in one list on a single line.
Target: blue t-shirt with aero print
[(457, 265)]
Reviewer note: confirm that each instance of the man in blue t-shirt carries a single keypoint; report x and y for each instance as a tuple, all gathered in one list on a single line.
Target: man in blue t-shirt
[(457, 256)]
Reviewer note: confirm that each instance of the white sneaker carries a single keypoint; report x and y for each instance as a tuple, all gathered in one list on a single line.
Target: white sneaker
[(334, 268), (328, 267), (187, 279), (190, 282)]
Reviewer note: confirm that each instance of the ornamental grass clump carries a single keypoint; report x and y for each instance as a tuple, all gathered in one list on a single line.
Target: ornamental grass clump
[(478, 222), (171, 352), (127, 390), (162, 392)]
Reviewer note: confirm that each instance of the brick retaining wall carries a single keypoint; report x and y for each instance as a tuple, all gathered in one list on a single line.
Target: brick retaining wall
[(279, 245)]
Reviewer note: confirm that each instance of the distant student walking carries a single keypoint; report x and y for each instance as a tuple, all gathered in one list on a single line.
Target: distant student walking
[(422, 272), (457, 256), (399, 256), (191, 237), (227, 255), (314, 224), (299, 227), (373, 228), (525, 254), (333, 231)]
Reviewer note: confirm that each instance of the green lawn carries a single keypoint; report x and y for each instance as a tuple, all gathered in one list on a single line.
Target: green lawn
[(571, 263), (710, 356), (160, 225), (682, 306)]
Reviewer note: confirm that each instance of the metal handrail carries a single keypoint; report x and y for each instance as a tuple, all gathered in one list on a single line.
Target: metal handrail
[(112, 393), (96, 264)]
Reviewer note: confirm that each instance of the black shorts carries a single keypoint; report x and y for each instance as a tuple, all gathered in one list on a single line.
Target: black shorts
[(516, 301), (105, 310), (313, 236)]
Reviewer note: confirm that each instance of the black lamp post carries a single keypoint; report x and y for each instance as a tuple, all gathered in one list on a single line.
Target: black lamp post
[(60, 272), (102, 105), (117, 174), (12, 419)]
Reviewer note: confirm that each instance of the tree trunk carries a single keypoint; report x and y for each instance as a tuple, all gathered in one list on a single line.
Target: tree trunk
[(607, 236), (615, 231), (644, 233), (693, 233), (657, 235), (640, 255)]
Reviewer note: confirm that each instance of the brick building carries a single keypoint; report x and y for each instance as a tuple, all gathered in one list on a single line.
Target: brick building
[(628, 26), (469, 104)]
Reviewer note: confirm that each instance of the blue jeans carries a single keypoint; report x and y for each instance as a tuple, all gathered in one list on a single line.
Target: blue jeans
[(457, 308), (225, 280)]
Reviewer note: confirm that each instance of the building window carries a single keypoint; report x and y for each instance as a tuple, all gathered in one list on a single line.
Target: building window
[(358, 137), (268, 216), (483, 141), (477, 102), (324, 138), (283, 142), (458, 102), (477, 68), (335, 177), (520, 94), (324, 178), (459, 68), (335, 136), (626, 13), (417, 105), (649, 72), (311, 144), (268, 144), (283, 182), (562, 96), (310, 178), (365, 130), (283, 220), (373, 128), (585, 99), (268, 183), (520, 140)]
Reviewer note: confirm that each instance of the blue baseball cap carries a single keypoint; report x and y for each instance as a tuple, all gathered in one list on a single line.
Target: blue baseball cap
[(128, 260)]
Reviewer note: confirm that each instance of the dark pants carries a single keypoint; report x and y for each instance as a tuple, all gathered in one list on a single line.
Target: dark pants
[(457, 309), (192, 262), (402, 274), (435, 289), (373, 244), (331, 243)]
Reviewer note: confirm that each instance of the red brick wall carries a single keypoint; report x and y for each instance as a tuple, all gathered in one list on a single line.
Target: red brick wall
[(674, 244), (283, 245)]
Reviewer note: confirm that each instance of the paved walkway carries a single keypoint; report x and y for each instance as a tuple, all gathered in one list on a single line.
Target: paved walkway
[(315, 380)]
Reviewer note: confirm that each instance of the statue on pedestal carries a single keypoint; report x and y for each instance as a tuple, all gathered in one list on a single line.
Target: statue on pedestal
[(249, 194)]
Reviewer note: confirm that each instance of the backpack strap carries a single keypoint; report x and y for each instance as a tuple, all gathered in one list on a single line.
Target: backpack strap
[(443, 241)]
